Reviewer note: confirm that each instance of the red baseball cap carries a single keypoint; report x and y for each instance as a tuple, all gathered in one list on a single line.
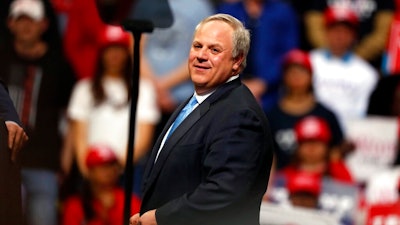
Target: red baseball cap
[(99, 155), (340, 14), (301, 181), (299, 57), (115, 35), (312, 128)]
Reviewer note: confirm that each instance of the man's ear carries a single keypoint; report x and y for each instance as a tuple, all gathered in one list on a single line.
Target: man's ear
[(237, 62)]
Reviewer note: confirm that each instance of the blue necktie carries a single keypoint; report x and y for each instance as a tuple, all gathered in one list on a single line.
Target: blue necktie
[(183, 114)]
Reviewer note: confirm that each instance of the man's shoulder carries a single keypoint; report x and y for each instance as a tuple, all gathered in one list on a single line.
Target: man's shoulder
[(244, 100)]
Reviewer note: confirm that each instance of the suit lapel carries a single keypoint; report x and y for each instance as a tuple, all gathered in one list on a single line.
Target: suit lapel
[(156, 147), (152, 173)]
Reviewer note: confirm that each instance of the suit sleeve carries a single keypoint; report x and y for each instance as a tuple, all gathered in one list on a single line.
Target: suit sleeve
[(7, 109), (236, 164)]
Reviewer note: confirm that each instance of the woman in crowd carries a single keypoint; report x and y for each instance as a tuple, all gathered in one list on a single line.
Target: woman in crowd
[(296, 102), (100, 106)]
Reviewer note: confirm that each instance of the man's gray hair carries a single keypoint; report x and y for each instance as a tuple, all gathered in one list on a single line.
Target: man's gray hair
[(241, 36)]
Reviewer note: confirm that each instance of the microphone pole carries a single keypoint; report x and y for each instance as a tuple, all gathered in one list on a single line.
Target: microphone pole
[(137, 28)]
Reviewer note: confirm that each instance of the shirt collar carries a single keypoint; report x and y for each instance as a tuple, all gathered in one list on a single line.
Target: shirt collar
[(201, 98), (345, 58)]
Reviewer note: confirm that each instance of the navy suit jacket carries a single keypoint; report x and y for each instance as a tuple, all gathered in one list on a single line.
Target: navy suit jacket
[(214, 168)]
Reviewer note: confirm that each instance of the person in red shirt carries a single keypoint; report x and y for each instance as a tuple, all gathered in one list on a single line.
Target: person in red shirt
[(81, 34), (102, 199), (313, 153)]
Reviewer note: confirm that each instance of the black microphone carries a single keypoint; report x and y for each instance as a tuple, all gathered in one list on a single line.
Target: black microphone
[(145, 26)]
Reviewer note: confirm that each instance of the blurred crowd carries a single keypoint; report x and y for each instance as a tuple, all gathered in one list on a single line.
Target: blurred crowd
[(326, 73)]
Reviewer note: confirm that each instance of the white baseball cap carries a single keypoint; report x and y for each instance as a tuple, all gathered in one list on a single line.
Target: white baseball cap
[(31, 8)]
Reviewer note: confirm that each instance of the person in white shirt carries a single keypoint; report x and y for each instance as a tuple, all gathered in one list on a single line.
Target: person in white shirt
[(100, 106), (342, 80)]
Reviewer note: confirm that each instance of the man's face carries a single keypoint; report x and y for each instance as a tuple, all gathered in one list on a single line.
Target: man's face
[(340, 38), (26, 29), (210, 60)]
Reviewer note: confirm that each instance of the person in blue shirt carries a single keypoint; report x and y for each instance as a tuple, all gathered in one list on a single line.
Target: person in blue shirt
[(274, 30)]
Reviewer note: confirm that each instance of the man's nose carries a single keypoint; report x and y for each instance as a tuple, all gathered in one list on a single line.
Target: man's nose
[(202, 55)]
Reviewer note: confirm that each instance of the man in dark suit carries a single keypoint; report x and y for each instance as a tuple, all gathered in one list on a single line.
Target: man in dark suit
[(12, 138), (214, 168)]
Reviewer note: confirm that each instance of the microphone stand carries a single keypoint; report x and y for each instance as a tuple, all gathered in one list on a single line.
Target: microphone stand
[(137, 28)]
